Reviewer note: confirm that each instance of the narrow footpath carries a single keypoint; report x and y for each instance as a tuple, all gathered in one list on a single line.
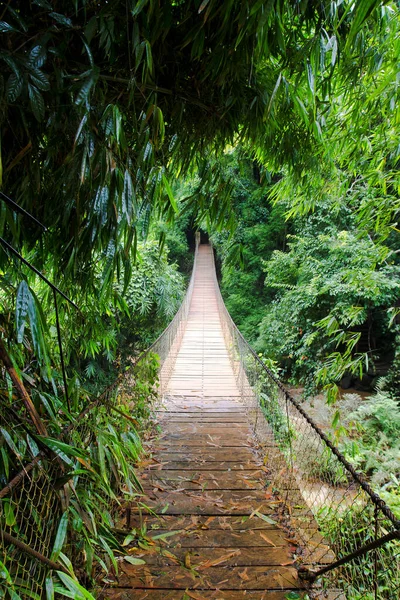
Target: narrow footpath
[(213, 532)]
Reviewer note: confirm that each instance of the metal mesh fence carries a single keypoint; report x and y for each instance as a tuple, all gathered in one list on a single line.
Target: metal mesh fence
[(168, 343), (349, 538)]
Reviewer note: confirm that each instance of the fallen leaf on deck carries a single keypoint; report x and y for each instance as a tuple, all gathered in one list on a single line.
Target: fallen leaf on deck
[(194, 595), (217, 561), (162, 536), (266, 539), (243, 575), (264, 518), (134, 561)]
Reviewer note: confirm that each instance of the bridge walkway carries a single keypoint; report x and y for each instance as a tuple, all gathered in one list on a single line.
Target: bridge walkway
[(213, 531)]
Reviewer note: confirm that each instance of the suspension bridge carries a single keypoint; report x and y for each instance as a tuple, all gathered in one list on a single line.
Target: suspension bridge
[(244, 497), (238, 475)]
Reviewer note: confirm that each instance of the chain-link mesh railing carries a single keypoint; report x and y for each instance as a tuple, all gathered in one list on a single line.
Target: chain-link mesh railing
[(349, 538), (168, 343), (36, 493)]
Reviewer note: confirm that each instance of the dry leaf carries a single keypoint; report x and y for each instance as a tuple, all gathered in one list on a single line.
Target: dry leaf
[(194, 595), (266, 539), (217, 561)]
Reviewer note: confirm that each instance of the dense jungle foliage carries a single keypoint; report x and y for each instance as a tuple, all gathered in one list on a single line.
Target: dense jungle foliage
[(124, 125), (317, 297)]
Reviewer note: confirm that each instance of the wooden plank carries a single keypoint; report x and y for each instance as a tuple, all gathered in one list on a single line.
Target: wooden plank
[(237, 502), (200, 427), (172, 461), (148, 594), (218, 538), (201, 523), (209, 453), (229, 578), (204, 441), (205, 558), (205, 480)]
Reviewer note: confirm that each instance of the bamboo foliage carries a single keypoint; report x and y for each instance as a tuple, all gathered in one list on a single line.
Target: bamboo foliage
[(102, 105)]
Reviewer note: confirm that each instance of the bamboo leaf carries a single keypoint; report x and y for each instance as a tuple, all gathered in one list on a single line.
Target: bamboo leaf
[(74, 587), (134, 561), (203, 5), (138, 7), (170, 194), (4, 574), (362, 10), (9, 514), (49, 588), (64, 451), (311, 78), (24, 297), (61, 19), (85, 90), (6, 27), (36, 102), (60, 537), (10, 443)]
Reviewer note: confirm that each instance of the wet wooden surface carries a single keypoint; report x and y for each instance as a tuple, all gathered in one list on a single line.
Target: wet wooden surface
[(213, 531)]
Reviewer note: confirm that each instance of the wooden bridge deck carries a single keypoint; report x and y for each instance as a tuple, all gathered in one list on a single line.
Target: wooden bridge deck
[(213, 532)]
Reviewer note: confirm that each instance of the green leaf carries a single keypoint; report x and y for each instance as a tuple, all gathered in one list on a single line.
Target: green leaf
[(43, 4), (138, 7), (14, 87), (129, 538), (9, 513), (73, 586), (37, 102), (24, 298), (361, 12), (32, 445), (40, 80), (311, 78), (102, 461), (169, 193), (61, 19), (275, 91), (64, 451), (91, 29), (85, 89), (6, 27), (49, 588), (37, 57), (4, 574), (203, 5), (60, 537), (10, 442), (264, 518), (163, 536), (134, 561)]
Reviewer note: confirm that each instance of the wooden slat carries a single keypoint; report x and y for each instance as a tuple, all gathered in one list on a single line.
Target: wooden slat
[(203, 558), (198, 594), (222, 578)]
